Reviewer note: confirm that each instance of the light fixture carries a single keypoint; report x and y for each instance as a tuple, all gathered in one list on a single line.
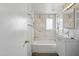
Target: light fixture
[(66, 8), (69, 6)]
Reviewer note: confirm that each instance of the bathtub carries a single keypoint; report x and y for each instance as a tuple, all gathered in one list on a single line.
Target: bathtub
[(44, 46)]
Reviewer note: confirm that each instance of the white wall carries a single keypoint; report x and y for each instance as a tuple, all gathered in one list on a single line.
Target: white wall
[(13, 29)]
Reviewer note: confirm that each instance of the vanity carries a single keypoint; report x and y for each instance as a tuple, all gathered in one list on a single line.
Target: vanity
[(67, 41), (67, 46)]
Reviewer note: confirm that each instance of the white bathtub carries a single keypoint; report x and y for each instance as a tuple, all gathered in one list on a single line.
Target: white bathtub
[(44, 46)]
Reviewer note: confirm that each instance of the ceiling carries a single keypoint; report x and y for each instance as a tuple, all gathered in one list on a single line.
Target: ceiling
[(35, 8), (14, 7), (47, 8)]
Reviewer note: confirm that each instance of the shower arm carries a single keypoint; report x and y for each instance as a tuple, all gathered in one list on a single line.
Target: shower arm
[(33, 27)]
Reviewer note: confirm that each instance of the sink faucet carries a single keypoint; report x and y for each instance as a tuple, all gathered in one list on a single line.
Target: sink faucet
[(67, 33)]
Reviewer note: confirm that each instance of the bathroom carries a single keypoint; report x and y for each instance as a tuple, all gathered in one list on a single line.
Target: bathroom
[(39, 29)]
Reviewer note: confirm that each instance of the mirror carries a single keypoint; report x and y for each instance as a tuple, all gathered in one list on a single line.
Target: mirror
[(69, 19)]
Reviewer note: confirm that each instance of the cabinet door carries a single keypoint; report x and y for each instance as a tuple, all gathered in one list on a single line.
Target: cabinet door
[(60, 46), (72, 47)]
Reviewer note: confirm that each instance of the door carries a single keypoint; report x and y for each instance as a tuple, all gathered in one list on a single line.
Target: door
[(14, 30)]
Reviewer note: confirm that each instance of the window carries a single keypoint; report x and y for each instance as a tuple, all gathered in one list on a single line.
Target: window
[(49, 24)]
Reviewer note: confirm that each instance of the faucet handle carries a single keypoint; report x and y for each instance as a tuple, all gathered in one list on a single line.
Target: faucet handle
[(25, 43), (72, 37)]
